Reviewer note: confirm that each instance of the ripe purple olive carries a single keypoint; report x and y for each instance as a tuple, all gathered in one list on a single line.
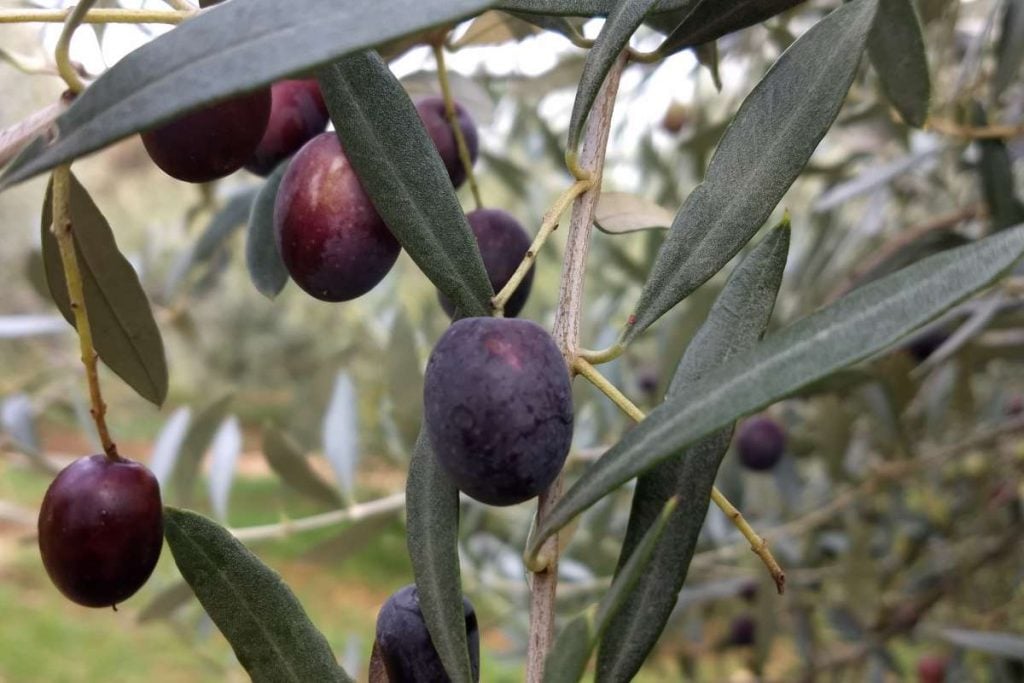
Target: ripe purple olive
[(924, 345), (435, 120), (404, 643), (932, 669), (503, 243), (498, 408), (761, 443), (297, 114), (742, 632), (332, 240), (101, 529), (213, 142)]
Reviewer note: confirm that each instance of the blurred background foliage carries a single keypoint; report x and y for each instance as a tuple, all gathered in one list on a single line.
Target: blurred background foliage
[(897, 510)]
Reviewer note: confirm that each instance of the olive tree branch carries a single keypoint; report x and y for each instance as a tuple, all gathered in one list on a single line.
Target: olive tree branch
[(453, 121), (62, 230), (566, 334), (14, 138), (757, 542), (353, 513), (96, 16), (547, 227)]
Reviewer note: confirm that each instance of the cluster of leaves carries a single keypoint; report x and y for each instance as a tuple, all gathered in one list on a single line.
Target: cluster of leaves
[(726, 372)]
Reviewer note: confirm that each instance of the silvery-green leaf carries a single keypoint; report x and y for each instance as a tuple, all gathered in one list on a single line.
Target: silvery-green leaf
[(764, 149), (224, 452), (341, 434), (856, 326)]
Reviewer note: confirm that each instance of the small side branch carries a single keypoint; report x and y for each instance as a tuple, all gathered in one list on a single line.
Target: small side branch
[(547, 227), (757, 543)]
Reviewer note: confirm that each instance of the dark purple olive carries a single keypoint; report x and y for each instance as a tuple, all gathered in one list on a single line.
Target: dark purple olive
[(498, 408), (761, 443), (404, 643), (435, 120), (332, 240), (213, 142), (503, 243), (297, 115), (101, 529)]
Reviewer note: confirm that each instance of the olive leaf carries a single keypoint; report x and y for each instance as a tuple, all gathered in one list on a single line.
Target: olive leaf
[(1011, 48), (256, 611), (897, 51), (713, 19), (400, 169), (287, 460), (618, 213), (262, 257), (201, 430), (124, 332), (734, 324), (258, 42), (567, 660), (763, 150), (226, 221), (432, 534), (853, 328)]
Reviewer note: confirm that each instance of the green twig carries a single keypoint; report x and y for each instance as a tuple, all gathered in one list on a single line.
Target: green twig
[(453, 121), (62, 230)]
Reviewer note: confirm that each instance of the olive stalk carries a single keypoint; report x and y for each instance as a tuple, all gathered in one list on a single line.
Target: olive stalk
[(566, 333), (63, 231), (62, 52), (96, 16), (548, 225), (758, 544), (453, 121)]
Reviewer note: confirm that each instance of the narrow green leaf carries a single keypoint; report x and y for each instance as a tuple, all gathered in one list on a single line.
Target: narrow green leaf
[(763, 150), (860, 324), (225, 222), (1010, 53), (995, 171), (897, 50), (432, 531), (618, 213), (1009, 645), (621, 24), (713, 19), (734, 324), (388, 147), (262, 257), (567, 661), (404, 376), (200, 432), (258, 42), (286, 458), (256, 611), (124, 332)]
